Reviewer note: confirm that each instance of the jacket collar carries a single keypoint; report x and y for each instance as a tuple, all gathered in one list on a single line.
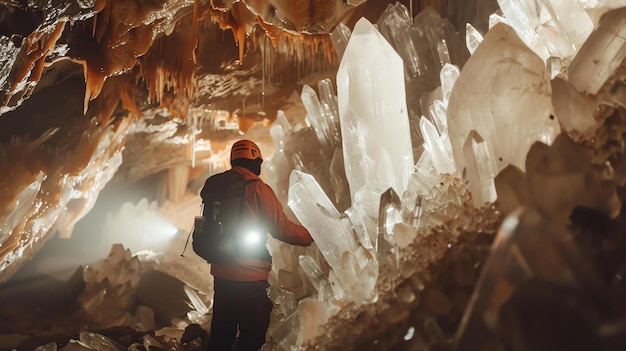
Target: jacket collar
[(246, 173)]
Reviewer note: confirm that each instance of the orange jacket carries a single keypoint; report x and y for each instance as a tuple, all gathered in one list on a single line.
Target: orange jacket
[(261, 202)]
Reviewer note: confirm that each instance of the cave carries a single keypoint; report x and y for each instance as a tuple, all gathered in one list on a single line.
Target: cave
[(460, 165)]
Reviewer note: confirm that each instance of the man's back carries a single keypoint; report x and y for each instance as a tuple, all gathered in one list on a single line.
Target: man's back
[(240, 299)]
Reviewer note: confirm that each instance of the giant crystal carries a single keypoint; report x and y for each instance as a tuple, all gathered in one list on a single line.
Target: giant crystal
[(372, 109), (600, 56), (510, 108), (317, 213)]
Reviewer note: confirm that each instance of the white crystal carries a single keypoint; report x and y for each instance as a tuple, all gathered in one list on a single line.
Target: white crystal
[(510, 109), (285, 332), (372, 106), (328, 100), (284, 300), (555, 65), (572, 20), (479, 170), (442, 160), (312, 314), (524, 17), (574, 110), (195, 300), (316, 277), (448, 76), (318, 214), (403, 234), (316, 116), (601, 54), (340, 37), (394, 24), (473, 38), (439, 115), (363, 225)]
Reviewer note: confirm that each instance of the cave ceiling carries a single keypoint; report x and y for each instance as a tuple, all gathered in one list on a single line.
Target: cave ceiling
[(71, 63)]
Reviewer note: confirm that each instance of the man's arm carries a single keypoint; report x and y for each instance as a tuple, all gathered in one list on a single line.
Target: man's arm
[(280, 226)]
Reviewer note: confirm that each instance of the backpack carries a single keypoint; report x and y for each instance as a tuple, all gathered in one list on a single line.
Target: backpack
[(214, 231)]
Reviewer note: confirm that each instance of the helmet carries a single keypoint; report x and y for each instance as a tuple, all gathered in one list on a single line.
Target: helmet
[(245, 149)]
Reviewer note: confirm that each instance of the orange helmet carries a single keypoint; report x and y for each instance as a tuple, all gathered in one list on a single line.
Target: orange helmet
[(245, 149)]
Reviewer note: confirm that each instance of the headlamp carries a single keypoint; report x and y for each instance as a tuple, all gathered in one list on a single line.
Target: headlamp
[(252, 238)]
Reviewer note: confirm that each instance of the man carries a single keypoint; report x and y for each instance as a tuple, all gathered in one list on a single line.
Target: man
[(240, 298)]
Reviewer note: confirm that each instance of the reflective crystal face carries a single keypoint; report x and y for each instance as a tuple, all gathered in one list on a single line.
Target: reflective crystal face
[(372, 107)]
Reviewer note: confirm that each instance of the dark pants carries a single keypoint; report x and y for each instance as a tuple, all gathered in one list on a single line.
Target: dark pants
[(239, 304)]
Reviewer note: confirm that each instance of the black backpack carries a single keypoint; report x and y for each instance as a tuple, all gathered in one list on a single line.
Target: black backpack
[(215, 233)]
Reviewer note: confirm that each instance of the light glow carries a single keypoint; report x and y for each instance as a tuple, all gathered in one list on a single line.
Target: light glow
[(139, 227), (252, 238)]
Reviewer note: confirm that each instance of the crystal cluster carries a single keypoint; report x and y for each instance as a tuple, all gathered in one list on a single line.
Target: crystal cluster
[(123, 291), (462, 194), (496, 138), (54, 191)]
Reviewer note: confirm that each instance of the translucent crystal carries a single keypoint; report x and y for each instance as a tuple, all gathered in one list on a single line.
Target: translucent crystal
[(338, 180), (574, 110), (316, 212), (367, 199), (284, 300), (442, 160), (441, 38), (196, 301), (561, 177), (328, 100), (285, 332), (439, 115), (425, 179), (281, 118), (389, 214), (99, 342), (394, 24), (554, 66), (473, 38), (512, 189), (523, 16), (339, 37), (495, 18), (572, 20), (337, 286), (443, 52), (278, 135), (403, 234), (448, 76), (316, 277), (316, 116), (479, 171), (359, 275), (511, 109), (601, 54), (313, 314), (373, 112), (363, 225)]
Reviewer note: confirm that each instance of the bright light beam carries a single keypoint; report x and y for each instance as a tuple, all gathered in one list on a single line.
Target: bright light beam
[(139, 227)]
